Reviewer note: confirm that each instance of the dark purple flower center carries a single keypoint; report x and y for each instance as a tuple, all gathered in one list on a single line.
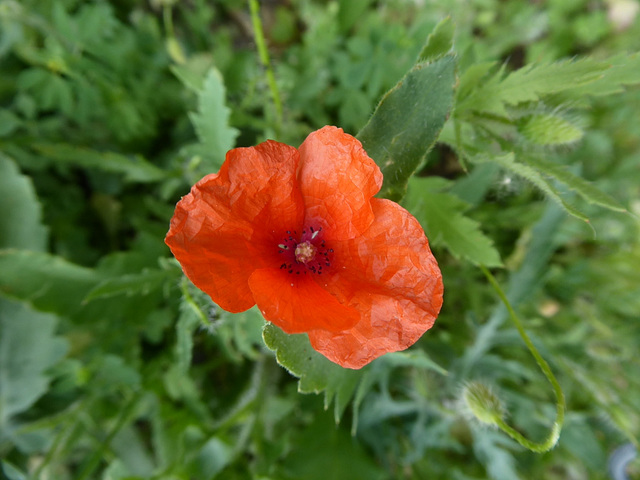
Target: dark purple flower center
[(305, 253)]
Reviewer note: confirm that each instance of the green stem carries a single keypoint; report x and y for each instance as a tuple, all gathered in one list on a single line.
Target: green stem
[(554, 435), (263, 53), (192, 303), (100, 453), (168, 21)]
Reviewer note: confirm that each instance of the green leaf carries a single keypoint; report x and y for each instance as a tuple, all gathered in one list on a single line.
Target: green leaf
[(625, 70), (188, 322), (211, 122), (578, 184), (20, 222), (131, 284), (440, 42), (508, 162), (407, 123), (489, 449), (192, 73), (316, 373), (28, 347), (412, 358), (134, 168), (11, 472), (48, 282), (528, 84), (441, 215), (9, 122), (549, 129), (350, 12), (323, 451)]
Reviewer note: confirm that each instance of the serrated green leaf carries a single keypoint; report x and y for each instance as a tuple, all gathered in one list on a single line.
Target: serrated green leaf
[(316, 374), (549, 129), (186, 326), (578, 184), (440, 42), (443, 221), (131, 284), (28, 347), (134, 168), (529, 84), (20, 222), (47, 282), (211, 122), (508, 162), (625, 70), (407, 123)]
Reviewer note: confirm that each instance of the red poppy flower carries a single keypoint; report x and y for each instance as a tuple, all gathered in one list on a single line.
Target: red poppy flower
[(298, 233)]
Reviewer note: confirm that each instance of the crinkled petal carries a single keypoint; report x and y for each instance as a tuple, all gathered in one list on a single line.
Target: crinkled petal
[(338, 180), (296, 303), (230, 223), (391, 277)]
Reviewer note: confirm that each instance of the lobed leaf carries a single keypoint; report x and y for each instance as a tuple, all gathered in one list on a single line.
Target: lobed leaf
[(316, 373), (211, 122), (528, 84), (441, 215), (624, 71)]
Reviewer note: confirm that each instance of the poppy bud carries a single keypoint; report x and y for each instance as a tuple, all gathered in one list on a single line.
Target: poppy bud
[(483, 403)]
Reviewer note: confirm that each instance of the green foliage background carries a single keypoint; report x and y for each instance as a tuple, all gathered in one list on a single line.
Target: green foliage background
[(113, 366)]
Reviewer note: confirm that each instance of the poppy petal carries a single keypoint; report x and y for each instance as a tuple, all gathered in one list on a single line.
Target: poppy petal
[(230, 223), (298, 304), (391, 277), (337, 180)]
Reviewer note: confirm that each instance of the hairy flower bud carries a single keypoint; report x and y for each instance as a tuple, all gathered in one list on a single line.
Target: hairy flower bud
[(483, 403)]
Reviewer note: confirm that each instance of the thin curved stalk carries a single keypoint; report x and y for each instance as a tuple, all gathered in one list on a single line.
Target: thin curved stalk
[(554, 435)]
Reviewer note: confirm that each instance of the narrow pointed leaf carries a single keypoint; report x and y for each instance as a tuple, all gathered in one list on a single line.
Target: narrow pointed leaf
[(47, 282), (407, 122), (582, 187), (508, 162), (439, 43), (134, 168)]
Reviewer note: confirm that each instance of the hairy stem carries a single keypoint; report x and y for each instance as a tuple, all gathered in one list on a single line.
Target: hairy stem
[(554, 435), (263, 53)]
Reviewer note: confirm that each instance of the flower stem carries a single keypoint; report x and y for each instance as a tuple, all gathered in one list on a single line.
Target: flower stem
[(192, 303), (554, 435), (261, 44)]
